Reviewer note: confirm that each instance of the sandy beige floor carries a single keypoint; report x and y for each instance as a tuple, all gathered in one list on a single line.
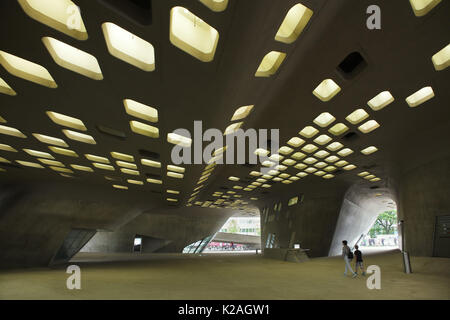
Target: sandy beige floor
[(229, 277)]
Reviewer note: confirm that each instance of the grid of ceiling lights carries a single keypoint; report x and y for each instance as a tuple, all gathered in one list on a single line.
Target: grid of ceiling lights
[(197, 38)]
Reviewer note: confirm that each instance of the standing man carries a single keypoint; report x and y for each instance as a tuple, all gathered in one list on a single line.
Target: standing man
[(345, 254)]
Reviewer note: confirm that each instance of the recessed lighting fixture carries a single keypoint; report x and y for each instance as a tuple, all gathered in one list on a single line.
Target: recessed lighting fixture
[(30, 164), (128, 47), (6, 147), (300, 166), (122, 156), (233, 178), (381, 100), (310, 148), (320, 165), (59, 169), (277, 179), (2, 120), (322, 154), (64, 152), (332, 159), (309, 132), (326, 90), (261, 180), (242, 113), (175, 175), (369, 150), (293, 24), (328, 176), (255, 173), (6, 89), (310, 170), (232, 128), (130, 171), (371, 176), (215, 5), (357, 116), (286, 181), (127, 165), (270, 64), (3, 160), (154, 181), (280, 167), (322, 139), (144, 129), (50, 140), (238, 187), (335, 146), (324, 119), (330, 169), (284, 175), (350, 167), (11, 132), (103, 166), (140, 110), (276, 157), (289, 162), (176, 168), (151, 163), (172, 200), (420, 97), (82, 168), (77, 136), (338, 129), (422, 7), (38, 154), (375, 180), (94, 158), (66, 121), (368, 126), (301, 174), (294, 178), (73, 59), (298, 156), (120, 187), (26, 70), (320, 173), (345, 152), (285, 150), (136, 182), (310, 160), (192, 35), (441, 60), (268, 163), (180, 140), (295, 142), (363, 174), (261, 152), (341, 163)]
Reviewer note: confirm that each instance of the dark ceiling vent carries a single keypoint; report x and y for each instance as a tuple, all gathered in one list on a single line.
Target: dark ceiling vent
[(149, 154), (374, 187), (153, 176), (352, 65), (112, 132), (139, 11), (351, 136)]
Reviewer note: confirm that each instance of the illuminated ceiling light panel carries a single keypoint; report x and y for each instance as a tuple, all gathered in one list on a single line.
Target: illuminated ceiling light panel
[(285, 150), (320, 173), (280, 167), (66, 121), (59, 169), (176, 169), (175, 175), (371, 176), (310, 170), (341, 163), (179, 140), (82, 168), (26, 70), (335, 146), (268, 163), (192, 35), (270, 64), (50, 140), (357, 116), (289, 162), (300, 166), (219, 151), (350, 167), (130, 171), (420, 97), (64, 152), (298, 156), (375, 180), (238, 187), (369, 150), (277, 179), (127, 165), (266, 186), (309, 132), (6, 147), (52, 163), (144, 129), (215, 5), (326, 90), (151, 163), (369, 126), (320, 165), (242, 113), (6, 89), (136, 182), (94, 158), (154, 181), (38, 154), (77, 136), (294, 178), (310, 148), (120, 187), (284, 175), (286, 181), (233, 128), (330, 169), (363, 174), (422, 7), (261, 180), (301, 174), (261, 152), (30, 164), (441, 60), (295, 142), (73, 59), (328, 176), (324, 119), (322, 154), (310, 160), (2, 120), (255, 173), (338, 129), (11, 132), (293, 24), (141, 111), (172, 200), (345, 152), (62, 15), (128, 47), (322, 139), (4, 160), (122, 156), (103, 166), (233, 178), (380, 101), (276, 157), (332, 159)]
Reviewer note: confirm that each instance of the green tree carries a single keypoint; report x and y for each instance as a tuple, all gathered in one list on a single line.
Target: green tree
[(233, 227), (385, 224)]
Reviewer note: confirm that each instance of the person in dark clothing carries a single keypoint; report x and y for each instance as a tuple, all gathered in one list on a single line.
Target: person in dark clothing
[(359, 261)]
